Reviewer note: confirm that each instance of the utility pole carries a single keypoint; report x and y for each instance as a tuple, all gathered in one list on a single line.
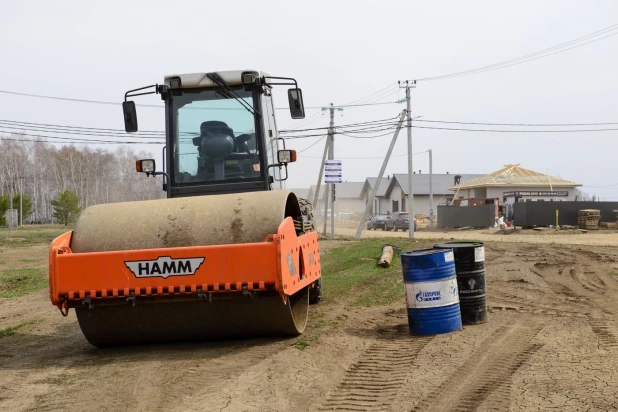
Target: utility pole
[(329, 151), (317, 188), (325, 200), (12, 190), (331, 156), (21, 202), (330, 189), (407, 84), (430, 189), (380, 175)]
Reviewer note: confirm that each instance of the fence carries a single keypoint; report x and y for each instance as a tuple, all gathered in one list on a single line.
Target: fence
[(528, 214), (464, 216)]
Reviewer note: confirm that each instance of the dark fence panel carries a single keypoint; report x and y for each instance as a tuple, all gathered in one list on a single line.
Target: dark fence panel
[(544, 213), (474, 216)]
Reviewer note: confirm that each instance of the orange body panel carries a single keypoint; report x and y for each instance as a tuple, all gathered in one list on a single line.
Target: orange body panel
[(284, 261)]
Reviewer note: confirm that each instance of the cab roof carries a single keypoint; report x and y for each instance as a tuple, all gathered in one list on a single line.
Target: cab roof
[(194, 80)]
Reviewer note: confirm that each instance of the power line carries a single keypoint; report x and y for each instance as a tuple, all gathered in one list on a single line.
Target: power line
[(158, 106), (530, 57), (366, 158), (370, 104), (309, 147), (46, 130), (371, 122), (72, 139), (56, 126), (390, 86), (518, 124), (516, 131), (302, 136)]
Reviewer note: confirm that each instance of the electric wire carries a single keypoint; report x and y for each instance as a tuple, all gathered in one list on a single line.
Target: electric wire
[(309, 147), (530, 57), (518, 124), (515, 131), (75, 140), (390, 86)]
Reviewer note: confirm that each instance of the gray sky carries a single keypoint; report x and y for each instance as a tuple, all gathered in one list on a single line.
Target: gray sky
[(339, 52)]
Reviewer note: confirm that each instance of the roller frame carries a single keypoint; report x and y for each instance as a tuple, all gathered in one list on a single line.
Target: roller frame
[(283, 262)]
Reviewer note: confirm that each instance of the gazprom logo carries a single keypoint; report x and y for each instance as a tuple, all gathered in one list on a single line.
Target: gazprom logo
[(164, 267), (428, 296)]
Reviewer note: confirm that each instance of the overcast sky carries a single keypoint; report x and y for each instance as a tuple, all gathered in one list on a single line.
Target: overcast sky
[(339, 51)]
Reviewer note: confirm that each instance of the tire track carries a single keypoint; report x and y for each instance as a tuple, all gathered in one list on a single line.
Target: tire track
[(487, 374), (604, 332), (372, 383)]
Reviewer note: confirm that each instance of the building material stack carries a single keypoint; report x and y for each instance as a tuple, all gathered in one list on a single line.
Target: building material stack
[(588, 218)]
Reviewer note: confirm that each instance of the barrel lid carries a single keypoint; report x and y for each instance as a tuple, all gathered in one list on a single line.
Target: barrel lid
[(422, 252), (458, 245)]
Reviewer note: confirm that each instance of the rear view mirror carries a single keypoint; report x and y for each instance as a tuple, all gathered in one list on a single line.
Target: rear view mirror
[(130, 116), (297, 108)]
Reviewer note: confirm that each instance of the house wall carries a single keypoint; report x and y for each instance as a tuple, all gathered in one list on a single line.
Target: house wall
[(497, 192), (351, 205), (395, 196), (421, 203), (384, 205)]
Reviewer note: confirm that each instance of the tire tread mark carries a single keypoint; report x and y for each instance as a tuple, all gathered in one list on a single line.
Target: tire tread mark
[(372, 383), (488, 371)]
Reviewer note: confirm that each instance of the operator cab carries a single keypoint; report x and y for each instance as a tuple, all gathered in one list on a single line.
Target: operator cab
[(221, 132)]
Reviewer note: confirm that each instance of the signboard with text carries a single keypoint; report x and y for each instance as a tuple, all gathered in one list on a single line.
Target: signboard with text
[(333, 171), (537, 193)]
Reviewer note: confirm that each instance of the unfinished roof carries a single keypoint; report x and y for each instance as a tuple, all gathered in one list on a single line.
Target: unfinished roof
[(513, 175)]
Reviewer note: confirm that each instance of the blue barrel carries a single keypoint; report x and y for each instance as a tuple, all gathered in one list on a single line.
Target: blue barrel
[(431, 291)]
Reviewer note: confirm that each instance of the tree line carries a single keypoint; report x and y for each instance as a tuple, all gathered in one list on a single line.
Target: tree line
[(41, 172)]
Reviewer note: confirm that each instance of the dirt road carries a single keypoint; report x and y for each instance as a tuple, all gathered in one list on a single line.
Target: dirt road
[(551, 343), (564, 237)]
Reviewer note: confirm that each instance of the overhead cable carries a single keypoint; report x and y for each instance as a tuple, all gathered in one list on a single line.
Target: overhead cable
[(532, 56)]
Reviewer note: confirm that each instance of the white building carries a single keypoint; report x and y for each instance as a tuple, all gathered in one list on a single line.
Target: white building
[(515, 184), (347, 197), (393, 192)]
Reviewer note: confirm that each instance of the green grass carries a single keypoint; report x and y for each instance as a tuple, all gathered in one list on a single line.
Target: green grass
[(306, 340), (19, 282), (12, 329), (2, 262), (352, 270), (31, 235), (614, 273), (28, 260)]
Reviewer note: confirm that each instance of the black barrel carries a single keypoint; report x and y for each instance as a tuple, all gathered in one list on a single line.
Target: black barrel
[(470, 268)]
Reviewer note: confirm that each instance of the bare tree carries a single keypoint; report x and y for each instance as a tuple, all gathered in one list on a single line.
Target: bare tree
[(41, 171)]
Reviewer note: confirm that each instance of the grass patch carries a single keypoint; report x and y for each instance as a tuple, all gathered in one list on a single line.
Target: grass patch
[(614, 272), (352, 270), (29, 260), (19, 282), (2, 262), (306, 341), (31, 235), (12, 329)]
